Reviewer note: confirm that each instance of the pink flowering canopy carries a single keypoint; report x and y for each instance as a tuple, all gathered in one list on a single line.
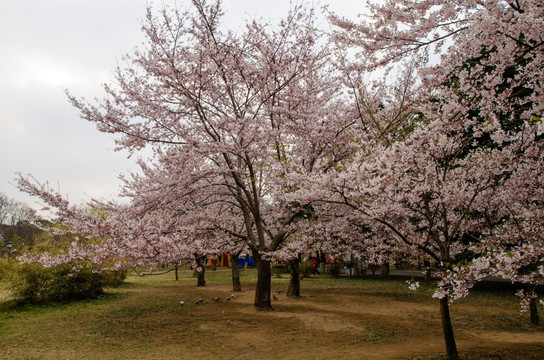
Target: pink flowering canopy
[(446, 151), (234, 122)]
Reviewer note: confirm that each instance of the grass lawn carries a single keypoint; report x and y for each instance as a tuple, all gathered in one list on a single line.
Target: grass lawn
[(334, 319)]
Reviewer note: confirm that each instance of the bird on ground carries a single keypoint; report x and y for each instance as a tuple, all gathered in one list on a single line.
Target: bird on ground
[(278, 291), (275, 297), (199, 301), (228, 298), (216, 299), (232, 296), (182, 302)]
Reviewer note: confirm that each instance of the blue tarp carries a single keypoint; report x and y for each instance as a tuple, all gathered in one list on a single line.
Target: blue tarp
[(242, 262)]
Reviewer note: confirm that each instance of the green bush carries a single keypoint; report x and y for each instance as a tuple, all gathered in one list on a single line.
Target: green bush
[(282, 268), (4, 268), (306, 269), (35, 284), (113, 278)]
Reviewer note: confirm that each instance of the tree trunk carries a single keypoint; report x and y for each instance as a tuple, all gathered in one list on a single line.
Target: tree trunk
[(451, 347), (236, 285), (428, 274), (199, 271), (264, 284), (533, 311), (364, 267), (357, 268), (294, 281), (177, 278), (385, 270)]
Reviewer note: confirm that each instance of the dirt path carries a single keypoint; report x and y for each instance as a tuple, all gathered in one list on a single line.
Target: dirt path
[(323, 325)]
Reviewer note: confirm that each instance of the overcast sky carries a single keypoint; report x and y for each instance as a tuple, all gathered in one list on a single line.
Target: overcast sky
[(50, 45)]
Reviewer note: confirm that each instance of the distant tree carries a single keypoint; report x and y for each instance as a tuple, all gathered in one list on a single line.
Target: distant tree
[(17, 225), (5, 207), (13, 212)]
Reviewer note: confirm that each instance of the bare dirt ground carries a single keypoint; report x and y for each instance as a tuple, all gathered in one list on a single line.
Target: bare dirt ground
[(329, 323), (334, 319)]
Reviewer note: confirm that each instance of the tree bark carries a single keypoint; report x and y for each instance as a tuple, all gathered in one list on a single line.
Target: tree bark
[(177, 278), (294, 281), (264, 284), (236, 285), (199, 271), (451, 347), (533, 312)]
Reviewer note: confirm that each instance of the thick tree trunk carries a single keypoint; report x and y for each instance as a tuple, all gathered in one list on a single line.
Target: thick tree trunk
[(451, 347), (236, 285), (294, 281), (428, 274), (264, 284), (199, 271), (533, 312)]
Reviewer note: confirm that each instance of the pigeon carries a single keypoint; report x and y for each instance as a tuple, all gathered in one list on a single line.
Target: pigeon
[(182, 302), (228, 298), (199, 301), (216, 299), (278, 291), (275, 297), (232, 296)]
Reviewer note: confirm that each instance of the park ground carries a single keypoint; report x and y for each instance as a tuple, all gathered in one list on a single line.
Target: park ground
[(333, 319)]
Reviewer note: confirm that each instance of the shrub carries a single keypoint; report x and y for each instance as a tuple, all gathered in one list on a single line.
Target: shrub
[(35, 284), (306, 269), (113, 278), (281, 268), (4, 268)]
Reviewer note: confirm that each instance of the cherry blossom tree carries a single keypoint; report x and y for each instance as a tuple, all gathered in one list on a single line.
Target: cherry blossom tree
[(435, 187), (233, 121), (513, 249)]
